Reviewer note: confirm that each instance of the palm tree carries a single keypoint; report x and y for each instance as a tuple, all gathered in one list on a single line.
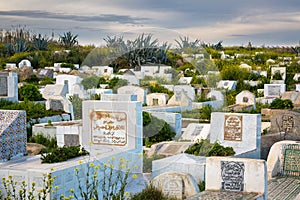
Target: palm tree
[(68, 40)]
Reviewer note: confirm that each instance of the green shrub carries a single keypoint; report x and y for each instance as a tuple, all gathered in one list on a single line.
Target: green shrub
[(30, 92), (67, 65), (195, 114), (155, 130), (50, 143), (201, 186), (63, 153), (151, 193), (281, 104), (205, 148), (160, 89), (90, 82), (33, 110)]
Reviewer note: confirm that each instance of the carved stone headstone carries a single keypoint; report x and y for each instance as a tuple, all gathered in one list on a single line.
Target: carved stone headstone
[(177, 185), (233, 178), (173, 187), (286, 123), (232, 175), (111, 128)]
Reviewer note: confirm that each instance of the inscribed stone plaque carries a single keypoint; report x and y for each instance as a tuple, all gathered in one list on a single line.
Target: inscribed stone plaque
[(173, 187), (274, 90), (71, 140), (233, 129), (287, 123), (56, 104), (109, 128), (197, 130), (291, 160), (232, 175), (3, 86)]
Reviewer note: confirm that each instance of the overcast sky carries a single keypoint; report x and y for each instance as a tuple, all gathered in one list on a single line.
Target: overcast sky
[(235, 22)]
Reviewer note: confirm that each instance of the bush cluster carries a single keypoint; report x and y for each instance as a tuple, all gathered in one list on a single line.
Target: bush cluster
[(205, 148), (61, 154), (155, 130), (33, 110), (49, 143)]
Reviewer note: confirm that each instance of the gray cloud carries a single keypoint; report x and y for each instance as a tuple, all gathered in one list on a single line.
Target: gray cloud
[(50, 15), (233, 21)]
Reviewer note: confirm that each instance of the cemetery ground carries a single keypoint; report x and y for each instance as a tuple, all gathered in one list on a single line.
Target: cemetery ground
[(211, 123)]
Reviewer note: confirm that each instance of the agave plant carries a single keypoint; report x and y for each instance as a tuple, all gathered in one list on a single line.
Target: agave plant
[(19, 46), (16, 40), (39, 42), (184, 43), (68, 40)]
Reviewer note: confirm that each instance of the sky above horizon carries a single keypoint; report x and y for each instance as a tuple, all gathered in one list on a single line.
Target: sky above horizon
[(235, 22)]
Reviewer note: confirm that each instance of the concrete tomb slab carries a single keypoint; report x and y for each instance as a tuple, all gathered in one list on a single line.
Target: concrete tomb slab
[(195, 132), (9, 86), (177, 185), (232, 178), (139, 91), (274, 90), (240, 131), (181, 163)]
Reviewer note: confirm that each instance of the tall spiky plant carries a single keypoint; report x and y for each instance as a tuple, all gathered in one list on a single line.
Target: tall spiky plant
[(68, 39), (40, 42)]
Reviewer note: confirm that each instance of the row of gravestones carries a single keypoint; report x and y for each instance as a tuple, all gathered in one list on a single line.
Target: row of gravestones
[(111, 132), (242, 132), (233, 178), (110, 128)]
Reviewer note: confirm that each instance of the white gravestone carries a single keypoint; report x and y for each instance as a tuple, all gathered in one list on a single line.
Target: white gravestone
[(195, 132), (273, 90), (240, 131), (9, 86), (177, 185), (140, 92), (187, 89), (280, 70), (215, 95), (181, 163), (236, 175), (245, 98), (180, 98), (157, 99), (112, 126)]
